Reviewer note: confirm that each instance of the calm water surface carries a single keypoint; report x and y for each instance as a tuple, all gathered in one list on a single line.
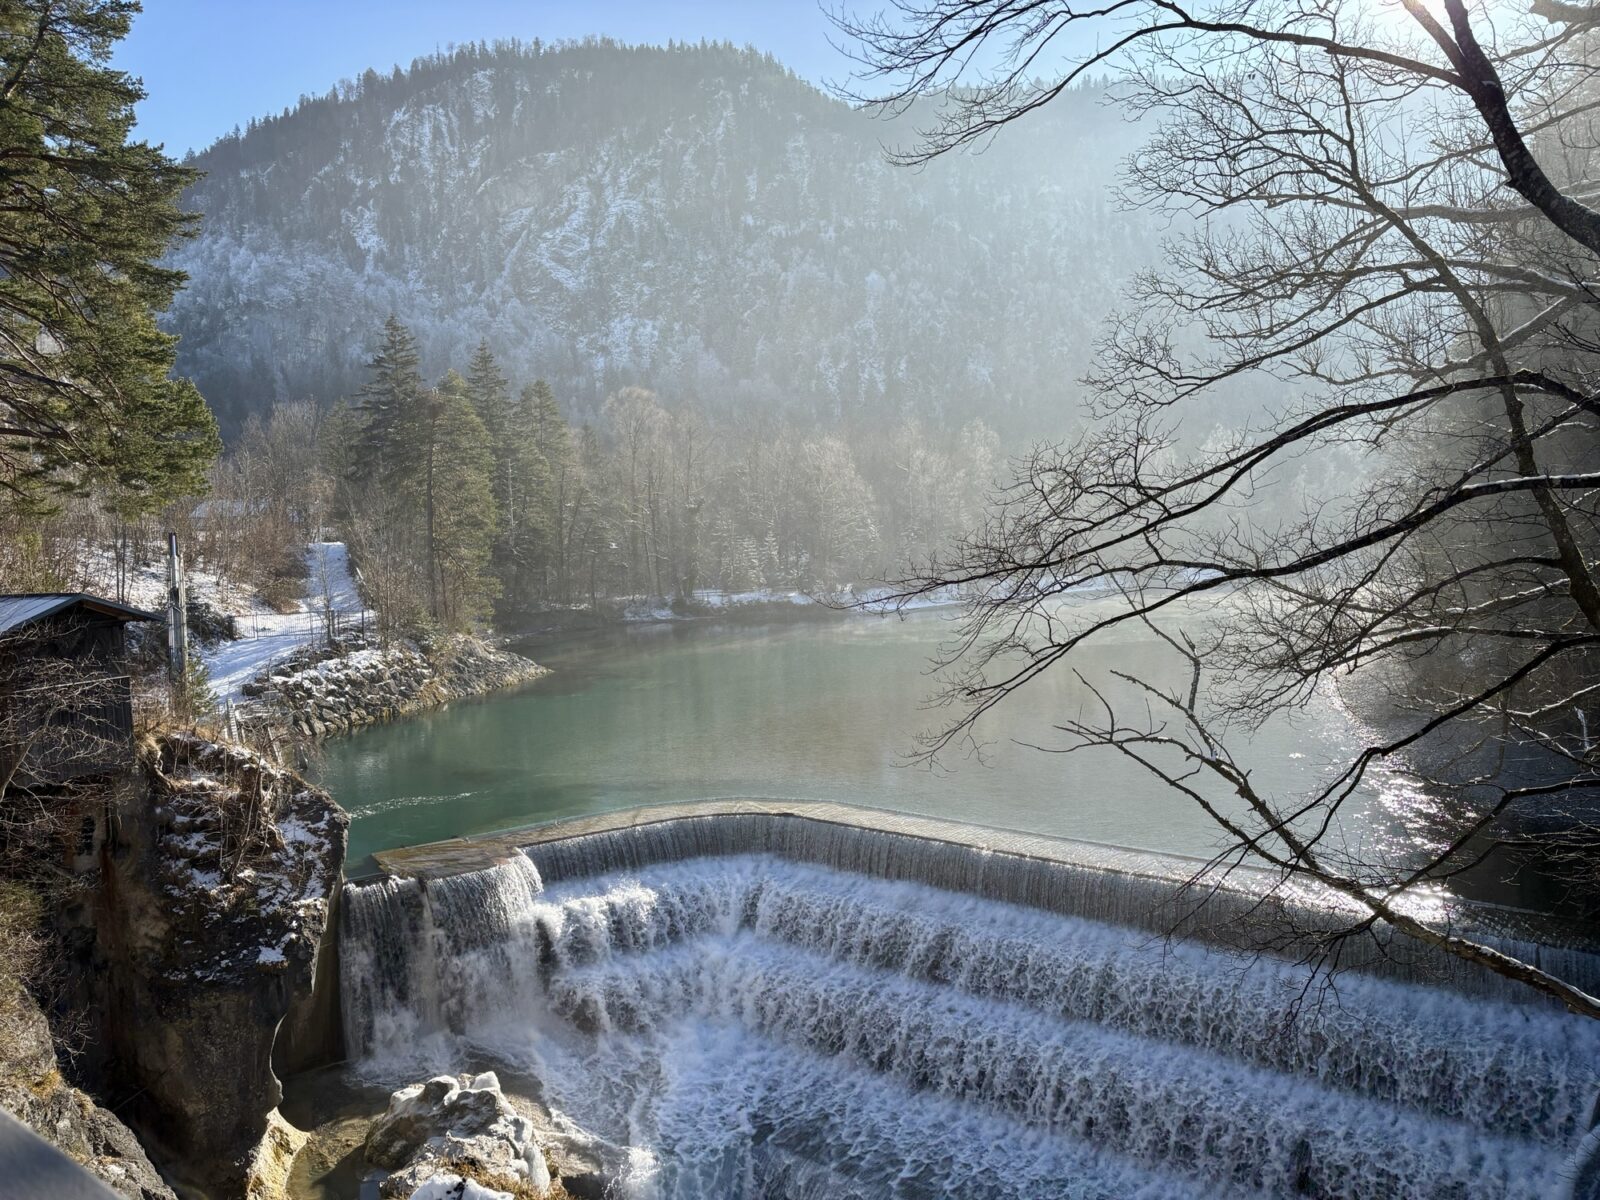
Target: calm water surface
[(826, 710)]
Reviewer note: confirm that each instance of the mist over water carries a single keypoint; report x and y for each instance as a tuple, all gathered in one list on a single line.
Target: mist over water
[(757, 1026)]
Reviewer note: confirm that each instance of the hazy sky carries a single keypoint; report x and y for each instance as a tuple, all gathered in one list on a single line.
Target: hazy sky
[(212, 64)]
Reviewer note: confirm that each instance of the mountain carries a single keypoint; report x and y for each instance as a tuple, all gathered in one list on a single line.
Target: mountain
[(695, 219)]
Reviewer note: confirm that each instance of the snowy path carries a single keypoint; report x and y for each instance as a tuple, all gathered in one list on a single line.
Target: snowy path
[(267, 637)]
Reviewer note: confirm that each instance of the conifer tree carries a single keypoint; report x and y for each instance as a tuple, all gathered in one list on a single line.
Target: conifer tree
[(447, 468), (520, 479), (552, 488), (388, 400), (85, 398), (490, 394)]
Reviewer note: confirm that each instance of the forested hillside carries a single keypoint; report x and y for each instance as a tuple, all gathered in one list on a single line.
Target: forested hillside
[(694, 219)]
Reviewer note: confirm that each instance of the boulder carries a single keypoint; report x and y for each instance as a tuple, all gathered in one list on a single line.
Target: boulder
[(448, 1186), (460, 1129)]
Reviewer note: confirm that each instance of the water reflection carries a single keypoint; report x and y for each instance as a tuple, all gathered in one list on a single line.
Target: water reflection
[(820, 711)]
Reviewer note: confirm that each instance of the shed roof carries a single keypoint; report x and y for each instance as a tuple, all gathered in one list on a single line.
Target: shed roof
[(19, 610)]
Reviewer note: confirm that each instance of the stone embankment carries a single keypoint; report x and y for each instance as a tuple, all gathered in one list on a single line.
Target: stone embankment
[(330, 690)]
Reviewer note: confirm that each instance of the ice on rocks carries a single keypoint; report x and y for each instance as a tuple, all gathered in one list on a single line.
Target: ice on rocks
[(432, 1130)]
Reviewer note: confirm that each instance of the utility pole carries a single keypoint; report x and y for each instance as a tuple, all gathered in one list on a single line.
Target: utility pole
[(177, 619)]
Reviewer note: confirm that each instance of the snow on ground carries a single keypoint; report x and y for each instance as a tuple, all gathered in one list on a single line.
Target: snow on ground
[(266, 637), (146, 584), (878, 599), (872, 600), (716, 599), (264, 634), (659, 608)]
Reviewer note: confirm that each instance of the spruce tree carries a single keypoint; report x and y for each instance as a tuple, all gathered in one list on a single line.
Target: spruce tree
[(447, 467), (563, 496), (389, 400), (85, 398), (490, 394)]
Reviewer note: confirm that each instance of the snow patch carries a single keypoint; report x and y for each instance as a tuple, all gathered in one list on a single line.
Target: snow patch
[(271, 637)]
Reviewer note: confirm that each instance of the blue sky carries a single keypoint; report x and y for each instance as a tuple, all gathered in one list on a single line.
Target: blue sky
[(212, 64)]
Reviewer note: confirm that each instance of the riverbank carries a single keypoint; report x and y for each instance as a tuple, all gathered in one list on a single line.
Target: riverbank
[(765, 606), (319, 669), (359, 681)]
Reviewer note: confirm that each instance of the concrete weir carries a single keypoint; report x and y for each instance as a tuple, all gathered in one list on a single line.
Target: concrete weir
[(1244, 910), (767, 1001)]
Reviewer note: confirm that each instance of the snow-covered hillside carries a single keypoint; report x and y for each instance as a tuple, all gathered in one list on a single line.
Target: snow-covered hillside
[(695, 219)]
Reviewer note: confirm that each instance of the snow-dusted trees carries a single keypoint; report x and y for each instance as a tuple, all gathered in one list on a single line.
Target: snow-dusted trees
[(420, 504), (837, 527), (756, 504), (1398, 233)]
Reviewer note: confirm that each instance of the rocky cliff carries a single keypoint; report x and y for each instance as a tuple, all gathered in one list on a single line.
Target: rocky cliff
[(32, 1090), (215, 880)]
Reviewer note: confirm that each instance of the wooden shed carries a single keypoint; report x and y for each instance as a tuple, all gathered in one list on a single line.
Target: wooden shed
[(66, 700)]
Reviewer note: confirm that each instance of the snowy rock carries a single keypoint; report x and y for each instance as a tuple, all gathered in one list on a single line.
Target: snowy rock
[(210, 925), (433, 1132), (453, 1187), (326, 690)]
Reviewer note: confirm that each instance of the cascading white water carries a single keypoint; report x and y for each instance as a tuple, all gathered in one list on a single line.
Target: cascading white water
[(764, 1026)]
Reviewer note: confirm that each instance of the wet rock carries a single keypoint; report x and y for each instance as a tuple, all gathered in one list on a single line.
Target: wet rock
[(450, 1129)]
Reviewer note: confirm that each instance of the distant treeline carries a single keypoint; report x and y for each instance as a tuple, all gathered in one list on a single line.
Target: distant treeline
[(475, 496)]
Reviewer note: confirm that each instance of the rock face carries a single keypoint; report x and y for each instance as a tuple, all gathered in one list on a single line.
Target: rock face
[(214, 894), (358, 682), (450, 1135), (32, 1090)]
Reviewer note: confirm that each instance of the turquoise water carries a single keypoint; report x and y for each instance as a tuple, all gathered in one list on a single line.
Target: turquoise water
[(823, 710)]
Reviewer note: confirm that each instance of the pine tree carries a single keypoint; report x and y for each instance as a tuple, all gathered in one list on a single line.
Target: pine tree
[(556, 492), (85, 398), (490, 393)]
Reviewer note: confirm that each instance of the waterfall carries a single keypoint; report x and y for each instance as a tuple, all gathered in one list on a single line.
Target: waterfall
[(417, 958), (1127, 888), (781, 1007)]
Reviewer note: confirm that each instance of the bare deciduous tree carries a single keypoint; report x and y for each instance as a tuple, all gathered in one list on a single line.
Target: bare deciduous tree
[(63, 720), (1386, 216)]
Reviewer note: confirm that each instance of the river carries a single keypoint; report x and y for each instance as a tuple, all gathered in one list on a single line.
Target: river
[(815, 710), (839, 1012)]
